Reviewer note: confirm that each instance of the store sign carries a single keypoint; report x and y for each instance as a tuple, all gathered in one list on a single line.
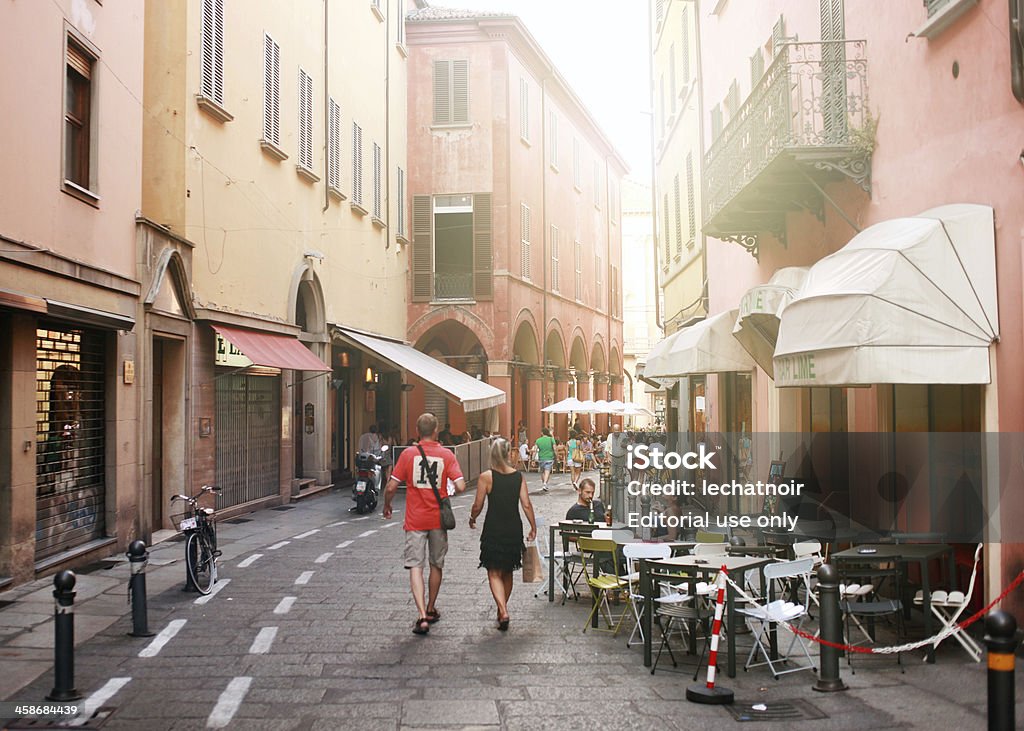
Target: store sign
[(228, 355)]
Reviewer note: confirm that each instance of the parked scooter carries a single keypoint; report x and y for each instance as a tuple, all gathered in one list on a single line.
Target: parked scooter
[(369, 472)]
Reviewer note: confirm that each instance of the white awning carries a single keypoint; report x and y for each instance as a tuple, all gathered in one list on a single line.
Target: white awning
[(757, 327), (564, 406), (473, 394), (912, 300), (707, 347)]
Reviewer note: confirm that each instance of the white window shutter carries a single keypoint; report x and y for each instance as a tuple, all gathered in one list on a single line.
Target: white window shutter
[(401, 202), (305, 120), (271, 90), (376, 181), (442, 92), (524, 109), (460, 92), (212, 51), (334, 145), (357, 164)]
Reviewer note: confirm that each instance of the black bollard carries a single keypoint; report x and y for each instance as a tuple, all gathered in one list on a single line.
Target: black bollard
[(138, 557), (1001, 639), (64, 638), (737, 541), (831, 630)]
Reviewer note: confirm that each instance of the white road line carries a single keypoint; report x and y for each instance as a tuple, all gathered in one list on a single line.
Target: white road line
[(165, 636), (250, 561), (307, 534), (346, 544), (304, 577), (279, 544), (335, 525), (322, 558), (285, 605), (456, 507), (264, 639), (216, 588), (390, 524), (229, 702), (367, 533), (365, 517), (98, 698)]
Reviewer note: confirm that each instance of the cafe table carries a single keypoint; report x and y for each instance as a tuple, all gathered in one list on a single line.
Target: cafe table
[(698, 566), (568, 529), (906, 553)]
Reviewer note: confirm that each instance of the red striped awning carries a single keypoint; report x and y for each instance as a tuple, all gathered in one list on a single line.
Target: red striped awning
[(272, 350)]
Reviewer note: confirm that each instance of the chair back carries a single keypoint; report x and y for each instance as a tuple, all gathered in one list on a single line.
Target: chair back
[(710, 549), (704, 536), (788, 569), (808, 548), (589, 547)]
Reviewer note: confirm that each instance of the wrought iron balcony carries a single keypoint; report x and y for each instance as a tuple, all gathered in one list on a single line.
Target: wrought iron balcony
[(453, 285), (805, 124)]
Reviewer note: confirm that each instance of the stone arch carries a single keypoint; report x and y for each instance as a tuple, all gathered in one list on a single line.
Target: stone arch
[(614, 360), (554, 350), (525, 345), (578, 352), (454, 313), (170, 262), (306, 305), (597, 361)]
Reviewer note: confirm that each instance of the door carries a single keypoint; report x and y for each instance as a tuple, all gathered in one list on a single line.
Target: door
[(156, 478)]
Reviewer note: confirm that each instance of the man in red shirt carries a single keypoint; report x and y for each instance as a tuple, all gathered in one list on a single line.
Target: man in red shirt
[(425, 539)]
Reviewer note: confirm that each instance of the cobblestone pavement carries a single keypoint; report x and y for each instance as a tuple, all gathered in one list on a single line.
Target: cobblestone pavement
[(311, 629)]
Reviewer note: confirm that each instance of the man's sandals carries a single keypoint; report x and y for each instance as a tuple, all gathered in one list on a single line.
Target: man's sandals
[(422, 625)]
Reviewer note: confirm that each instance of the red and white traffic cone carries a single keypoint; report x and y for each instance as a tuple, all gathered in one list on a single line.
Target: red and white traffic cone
[(708, 693)]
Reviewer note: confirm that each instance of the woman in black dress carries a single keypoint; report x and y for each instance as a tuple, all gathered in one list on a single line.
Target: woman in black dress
[(501, 543)]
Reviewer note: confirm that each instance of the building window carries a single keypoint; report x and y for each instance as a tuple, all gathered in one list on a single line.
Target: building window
[(598, 280), (524, 109), (376, 181), (553, 139), (333, 147), (400, 21), (684, 20), (554, 259), (679, 219), (212, 51), (524, 241), (756, 68), (597, 185), (691, 210), (401, 203), (665, 224), (578, 266), (271, 91), (77, 116), (305, 121), (577, 164), (357, 164), (451, 92)]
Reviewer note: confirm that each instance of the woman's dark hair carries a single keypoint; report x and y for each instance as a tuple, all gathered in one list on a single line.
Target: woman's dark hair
[(546, 432)]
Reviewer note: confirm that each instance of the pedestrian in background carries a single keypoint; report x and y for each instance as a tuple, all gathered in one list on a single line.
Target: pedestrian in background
[(423, 469), (504, 489), (574, 460), (545, 456)]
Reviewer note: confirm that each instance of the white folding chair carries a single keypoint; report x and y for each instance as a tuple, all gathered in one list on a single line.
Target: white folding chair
[(547, 555), (633, 552), (711, 549), (761, 619), (947, 607)]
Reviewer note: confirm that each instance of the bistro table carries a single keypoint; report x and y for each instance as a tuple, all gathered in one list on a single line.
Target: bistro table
[(906, 553), (737, 566)]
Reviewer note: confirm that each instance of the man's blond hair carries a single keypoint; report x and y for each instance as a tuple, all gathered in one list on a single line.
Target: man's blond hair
[(426, 425)]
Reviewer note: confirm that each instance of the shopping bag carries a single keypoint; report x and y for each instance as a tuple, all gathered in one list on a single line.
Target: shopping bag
[(533, 570)]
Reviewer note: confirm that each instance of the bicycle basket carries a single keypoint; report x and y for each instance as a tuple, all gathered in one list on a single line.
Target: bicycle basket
[(186, 516)]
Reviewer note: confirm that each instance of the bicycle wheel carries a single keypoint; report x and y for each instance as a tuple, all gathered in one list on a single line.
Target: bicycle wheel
[(200, 562)]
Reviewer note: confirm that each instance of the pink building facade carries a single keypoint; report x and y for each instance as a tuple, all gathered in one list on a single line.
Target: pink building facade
[(922, 114), (516, 223)]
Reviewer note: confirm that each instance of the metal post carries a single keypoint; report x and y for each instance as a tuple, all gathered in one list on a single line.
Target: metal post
[(138, 557), (190, 558), (1001, 639), (831, 630), (64, 638), (645, 509)]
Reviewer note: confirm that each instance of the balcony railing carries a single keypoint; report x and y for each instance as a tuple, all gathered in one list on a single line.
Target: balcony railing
[(453, 285), (809, 108)]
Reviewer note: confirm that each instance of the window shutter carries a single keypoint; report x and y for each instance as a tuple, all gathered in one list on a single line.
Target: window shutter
[(305, 120), (483, 248), (690, 209), (422, 248), (334, 146), (679, 218), (685, 21), (778, 35), (79, 61), (665, 227), (659, 6), (524, 240), (376, 181), (357, 163), (460, 92), (756, 68), (524, 109), (442, 92), (716, 121), (212, 47), (673, 90), (271, 90), (401, 202), (554, 259)]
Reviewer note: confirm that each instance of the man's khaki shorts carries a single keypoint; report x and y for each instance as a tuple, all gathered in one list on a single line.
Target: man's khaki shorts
[(417, 543)]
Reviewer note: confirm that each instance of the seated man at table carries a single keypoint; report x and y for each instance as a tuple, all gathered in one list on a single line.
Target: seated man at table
[(581, 510)]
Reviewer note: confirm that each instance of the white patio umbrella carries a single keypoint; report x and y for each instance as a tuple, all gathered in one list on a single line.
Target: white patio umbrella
[(601, 407), (564, 406), (633, 409), (616, 406), (587, 407)]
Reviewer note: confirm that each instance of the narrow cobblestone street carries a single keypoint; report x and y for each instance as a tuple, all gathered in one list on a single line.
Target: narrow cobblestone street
[(310, 629)]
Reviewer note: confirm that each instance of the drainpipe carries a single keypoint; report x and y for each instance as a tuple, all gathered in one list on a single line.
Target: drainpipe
[(387, 128), (700, 158), (654, 167), (327, 116), (544, 236)]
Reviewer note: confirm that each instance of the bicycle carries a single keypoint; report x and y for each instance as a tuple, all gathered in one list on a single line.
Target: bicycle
[(200, 529)]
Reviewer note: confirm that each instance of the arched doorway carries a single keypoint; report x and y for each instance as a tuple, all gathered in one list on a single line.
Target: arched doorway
[(526, 382), (454, 344), (310, 415), (580, 384)]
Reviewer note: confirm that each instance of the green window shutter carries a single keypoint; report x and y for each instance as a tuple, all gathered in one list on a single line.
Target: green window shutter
[(483, 248), (934, 6), (685, 21), (442, 92), (422, 248)]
